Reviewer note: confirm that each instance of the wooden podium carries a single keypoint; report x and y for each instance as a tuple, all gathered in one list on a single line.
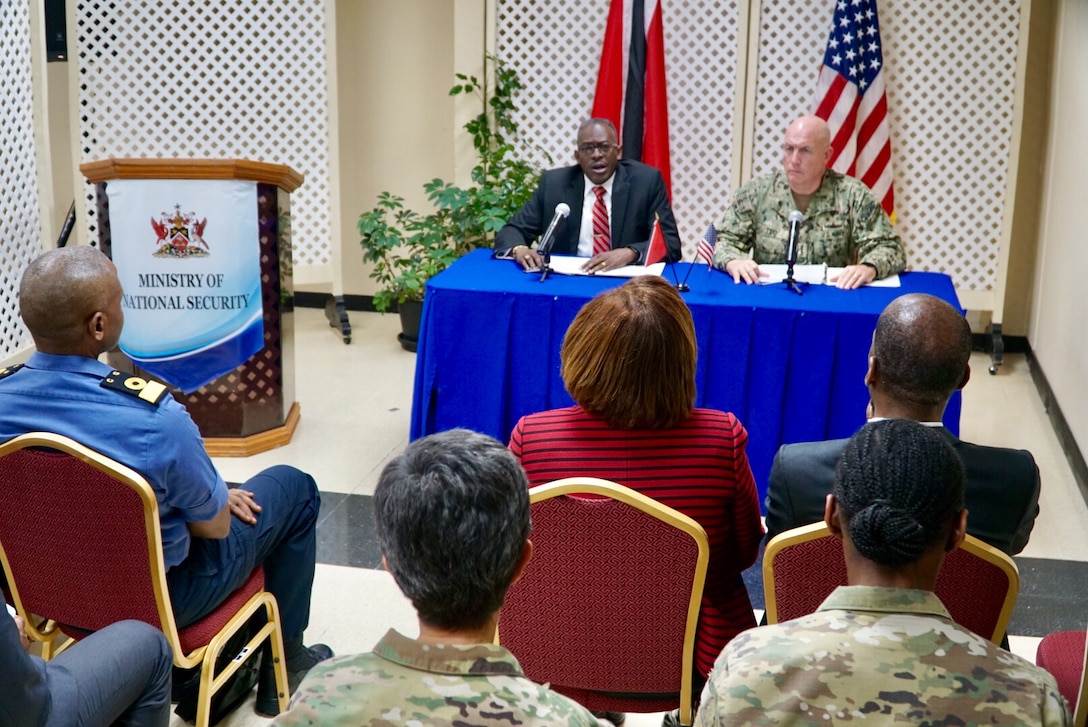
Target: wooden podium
[(252, 408)]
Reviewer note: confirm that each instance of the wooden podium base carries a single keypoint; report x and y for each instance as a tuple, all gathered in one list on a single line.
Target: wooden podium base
[(256, 443)]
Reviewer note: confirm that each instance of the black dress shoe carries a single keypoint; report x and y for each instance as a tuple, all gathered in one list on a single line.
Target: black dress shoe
[(298, 666), (616, 718)]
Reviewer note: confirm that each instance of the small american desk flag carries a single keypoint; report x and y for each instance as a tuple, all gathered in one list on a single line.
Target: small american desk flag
[(850, 95), (705, 250)]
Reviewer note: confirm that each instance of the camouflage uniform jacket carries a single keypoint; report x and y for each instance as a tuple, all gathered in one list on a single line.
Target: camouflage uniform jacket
[(404, 682), (875, 656), (844, 224)]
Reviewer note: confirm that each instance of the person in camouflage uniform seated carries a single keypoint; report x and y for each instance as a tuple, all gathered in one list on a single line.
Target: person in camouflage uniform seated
[(844, 225), (452, 517), (883, 650)]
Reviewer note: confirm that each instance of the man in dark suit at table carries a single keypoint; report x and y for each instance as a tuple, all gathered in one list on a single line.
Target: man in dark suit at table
[(919, 357), (612, 204)]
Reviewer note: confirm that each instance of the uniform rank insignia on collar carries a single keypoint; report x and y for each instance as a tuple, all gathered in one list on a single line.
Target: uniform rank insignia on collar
[(150, 391), (9, 370)]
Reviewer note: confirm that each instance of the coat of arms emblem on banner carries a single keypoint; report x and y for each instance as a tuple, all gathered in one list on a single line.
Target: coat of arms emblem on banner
[(179, 235)]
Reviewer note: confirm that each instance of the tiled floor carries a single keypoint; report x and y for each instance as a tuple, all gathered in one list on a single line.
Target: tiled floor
[(355, 401)]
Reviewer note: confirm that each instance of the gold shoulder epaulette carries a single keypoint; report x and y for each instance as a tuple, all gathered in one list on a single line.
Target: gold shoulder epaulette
[(149, 391), (9, 370)]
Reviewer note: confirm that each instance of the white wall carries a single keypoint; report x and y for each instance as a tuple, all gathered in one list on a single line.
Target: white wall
[(1059, 317), (395, 65)]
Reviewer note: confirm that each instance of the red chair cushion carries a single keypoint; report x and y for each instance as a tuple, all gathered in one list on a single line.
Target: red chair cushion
[(200, 633)]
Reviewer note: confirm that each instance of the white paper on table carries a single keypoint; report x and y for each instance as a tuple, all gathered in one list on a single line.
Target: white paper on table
[(812, 274), (572, 265), (892, 281)]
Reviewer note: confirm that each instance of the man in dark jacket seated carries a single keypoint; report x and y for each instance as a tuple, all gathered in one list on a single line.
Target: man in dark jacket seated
[(119, 675), (918, 359), (612, 201)]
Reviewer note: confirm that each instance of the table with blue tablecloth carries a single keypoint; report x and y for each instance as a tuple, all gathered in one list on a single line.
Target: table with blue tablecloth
[(791, 367)]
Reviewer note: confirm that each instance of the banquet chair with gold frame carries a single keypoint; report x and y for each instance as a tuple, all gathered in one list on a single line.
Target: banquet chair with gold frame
[(1064, 655), (81, 545), (978, 584), (607, 608)]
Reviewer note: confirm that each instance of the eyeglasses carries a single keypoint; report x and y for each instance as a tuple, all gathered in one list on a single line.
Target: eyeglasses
[(603, 148)]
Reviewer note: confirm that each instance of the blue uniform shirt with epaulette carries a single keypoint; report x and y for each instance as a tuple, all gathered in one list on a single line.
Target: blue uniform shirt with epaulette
[(134, 421)]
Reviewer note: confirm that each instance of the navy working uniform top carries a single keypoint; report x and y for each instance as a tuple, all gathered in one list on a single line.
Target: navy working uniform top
[(158, 439)]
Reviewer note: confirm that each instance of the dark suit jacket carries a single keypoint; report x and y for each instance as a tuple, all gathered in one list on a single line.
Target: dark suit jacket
[(638, 191), (1002, 489)]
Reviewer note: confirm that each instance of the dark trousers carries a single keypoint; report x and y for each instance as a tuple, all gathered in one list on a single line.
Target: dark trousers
[(283, 540), (119, 675)]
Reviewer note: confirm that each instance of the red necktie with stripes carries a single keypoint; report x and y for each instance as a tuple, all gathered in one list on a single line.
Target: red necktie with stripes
[(602, 237)]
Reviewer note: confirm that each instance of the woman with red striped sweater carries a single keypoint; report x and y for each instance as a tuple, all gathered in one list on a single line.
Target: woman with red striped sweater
[(628, 360)]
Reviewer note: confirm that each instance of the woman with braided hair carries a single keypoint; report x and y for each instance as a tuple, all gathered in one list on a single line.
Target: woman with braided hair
[(883, 648), (899, 506)]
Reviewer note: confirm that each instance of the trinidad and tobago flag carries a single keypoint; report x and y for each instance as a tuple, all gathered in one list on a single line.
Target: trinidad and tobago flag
[(631, 83)]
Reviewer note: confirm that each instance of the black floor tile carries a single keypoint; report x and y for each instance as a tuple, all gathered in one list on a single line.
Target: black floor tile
[(1053, 597), (345, 531)]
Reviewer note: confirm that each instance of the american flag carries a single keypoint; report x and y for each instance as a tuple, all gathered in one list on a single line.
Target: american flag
[(850, 96), (705, 250)]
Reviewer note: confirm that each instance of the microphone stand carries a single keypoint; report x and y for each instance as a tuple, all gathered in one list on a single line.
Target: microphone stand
[(545, 251), (792, 284), (795, 218)]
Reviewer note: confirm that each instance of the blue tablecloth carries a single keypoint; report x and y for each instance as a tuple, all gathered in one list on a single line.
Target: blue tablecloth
[(790, 367)]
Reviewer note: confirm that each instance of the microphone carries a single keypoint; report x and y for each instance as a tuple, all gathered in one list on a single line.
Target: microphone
[(545, 248), (561, 210), (795, 228)]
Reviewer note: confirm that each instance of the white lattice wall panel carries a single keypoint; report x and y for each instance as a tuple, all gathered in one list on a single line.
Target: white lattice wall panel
[(162, 78), (556, 48), (951, 71), (20, 215)]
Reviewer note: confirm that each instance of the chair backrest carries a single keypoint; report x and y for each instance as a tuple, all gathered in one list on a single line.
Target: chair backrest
[(610, 600), (79, 536), (978, 584), (1080, 709), (1065, 655)]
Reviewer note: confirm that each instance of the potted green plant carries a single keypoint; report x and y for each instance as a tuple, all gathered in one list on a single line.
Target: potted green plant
[(408, 248)]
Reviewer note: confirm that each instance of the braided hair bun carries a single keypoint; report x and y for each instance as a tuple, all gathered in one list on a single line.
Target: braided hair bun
[(899, 484)]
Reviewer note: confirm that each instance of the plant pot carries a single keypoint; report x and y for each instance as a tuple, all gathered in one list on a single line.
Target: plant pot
[(411, 311)]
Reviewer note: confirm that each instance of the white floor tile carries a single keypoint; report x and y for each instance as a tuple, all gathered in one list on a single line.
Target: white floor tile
[(1004, 410)]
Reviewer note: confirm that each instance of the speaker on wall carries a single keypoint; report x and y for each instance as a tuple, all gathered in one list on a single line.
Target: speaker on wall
[(56, 36)]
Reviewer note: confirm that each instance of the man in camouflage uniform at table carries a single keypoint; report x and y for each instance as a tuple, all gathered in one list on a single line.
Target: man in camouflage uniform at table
[(844, 225), (452, 517), (883, 650)]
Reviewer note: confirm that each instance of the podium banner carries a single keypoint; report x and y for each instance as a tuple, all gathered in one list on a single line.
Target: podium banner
[(188, 256)]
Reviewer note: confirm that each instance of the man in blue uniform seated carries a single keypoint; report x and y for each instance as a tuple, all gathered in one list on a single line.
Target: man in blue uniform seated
[(212, 536), (612, 202), (118, 676), (452, 515)]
